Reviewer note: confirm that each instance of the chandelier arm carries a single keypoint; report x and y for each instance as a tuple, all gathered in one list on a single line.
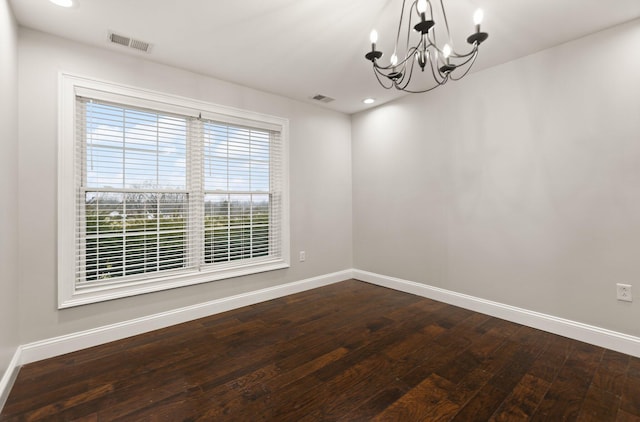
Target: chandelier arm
[(383, 77), (439, 53), (403, 64), (403, 85), (389, 67), (468, 58), (444, 77), (395, 49), (435, 79), (469, 54), (410, 55), (410, 91), (406, 76), (456, 55), (435, 75), (462, 56), (409, 26), (430, 34), (438, 76), (378, 73), (446, 22), (409, 50), (381, 68), (434, 62), (468, 68)]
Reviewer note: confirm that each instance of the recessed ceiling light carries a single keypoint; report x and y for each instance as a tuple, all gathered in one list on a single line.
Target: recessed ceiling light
[(63, 3), (369, 100)]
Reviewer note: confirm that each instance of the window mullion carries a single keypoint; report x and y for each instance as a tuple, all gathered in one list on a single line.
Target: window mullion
[(195, 224), (124, 196), (250, 197)]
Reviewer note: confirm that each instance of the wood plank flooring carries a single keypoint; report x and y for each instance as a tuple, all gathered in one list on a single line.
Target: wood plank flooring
[(346, 352)]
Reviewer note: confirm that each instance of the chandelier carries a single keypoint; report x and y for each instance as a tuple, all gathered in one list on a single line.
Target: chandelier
[(443, 63)]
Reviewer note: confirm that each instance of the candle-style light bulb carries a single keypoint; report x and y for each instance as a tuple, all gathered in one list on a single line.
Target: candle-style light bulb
[(477, 18), (394, 59), (422, 6), (446, 51), (373, 37)]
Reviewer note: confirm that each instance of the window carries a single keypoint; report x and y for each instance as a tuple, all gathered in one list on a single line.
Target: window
[(157, 192)]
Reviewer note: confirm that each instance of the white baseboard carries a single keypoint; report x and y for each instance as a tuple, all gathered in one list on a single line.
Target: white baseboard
[(9, 377), (80, 340), (613, 340), (76, 341)]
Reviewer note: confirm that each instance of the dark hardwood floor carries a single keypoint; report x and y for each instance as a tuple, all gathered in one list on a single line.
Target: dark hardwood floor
[(349, 352)]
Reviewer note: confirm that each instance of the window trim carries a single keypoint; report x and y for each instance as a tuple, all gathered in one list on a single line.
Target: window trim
[(70, 86)]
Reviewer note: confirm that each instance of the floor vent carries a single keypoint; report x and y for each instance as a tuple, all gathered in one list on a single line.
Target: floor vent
[(322, 98), (129, 42)]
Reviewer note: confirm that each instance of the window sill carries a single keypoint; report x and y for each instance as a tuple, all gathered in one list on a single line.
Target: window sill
[(87, 295)]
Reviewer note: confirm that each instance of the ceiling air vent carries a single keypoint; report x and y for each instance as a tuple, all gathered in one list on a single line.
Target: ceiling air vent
[(129, 42), (322, 98), (139, 45)]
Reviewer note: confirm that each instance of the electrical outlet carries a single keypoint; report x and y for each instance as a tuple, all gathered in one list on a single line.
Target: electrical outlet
[(624, 292), (303, 256)]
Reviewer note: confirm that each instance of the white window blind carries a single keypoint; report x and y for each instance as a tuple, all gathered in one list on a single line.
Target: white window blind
[(164, 199), (241, 209), (134, 216)]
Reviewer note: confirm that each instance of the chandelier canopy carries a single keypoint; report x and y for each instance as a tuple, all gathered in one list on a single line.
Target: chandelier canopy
[(423, 50)]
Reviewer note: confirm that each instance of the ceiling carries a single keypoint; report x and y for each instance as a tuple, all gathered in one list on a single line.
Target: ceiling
[(300, 48)]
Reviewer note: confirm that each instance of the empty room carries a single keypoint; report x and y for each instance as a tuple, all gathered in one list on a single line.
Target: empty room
[(319, 210)]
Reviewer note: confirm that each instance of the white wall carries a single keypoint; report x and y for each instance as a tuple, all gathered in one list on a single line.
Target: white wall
[(9, 338), (320, 179), (519, 184)]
